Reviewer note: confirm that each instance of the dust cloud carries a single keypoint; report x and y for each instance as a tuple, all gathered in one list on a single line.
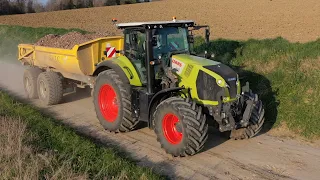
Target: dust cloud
[(11, 77)]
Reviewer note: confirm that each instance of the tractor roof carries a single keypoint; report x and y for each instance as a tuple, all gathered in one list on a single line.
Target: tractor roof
[(157, 24)]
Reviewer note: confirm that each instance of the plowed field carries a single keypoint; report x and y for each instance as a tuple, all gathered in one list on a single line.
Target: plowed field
[(294, 20)]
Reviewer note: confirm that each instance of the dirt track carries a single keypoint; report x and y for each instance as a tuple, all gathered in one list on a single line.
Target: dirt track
[(263, 157), (294, 20)]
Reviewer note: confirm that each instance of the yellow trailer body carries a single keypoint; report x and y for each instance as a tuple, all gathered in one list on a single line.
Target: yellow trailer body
[(80, 60)]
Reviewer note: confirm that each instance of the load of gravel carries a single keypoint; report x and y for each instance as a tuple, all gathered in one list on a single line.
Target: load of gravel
[(69, 40)]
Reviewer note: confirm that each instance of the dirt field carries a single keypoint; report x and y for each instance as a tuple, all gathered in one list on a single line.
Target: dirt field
[(263, 157), (294, 20)]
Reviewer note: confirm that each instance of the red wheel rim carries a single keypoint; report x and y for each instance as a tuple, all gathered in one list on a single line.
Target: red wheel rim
[(169, 127), (108, 103)]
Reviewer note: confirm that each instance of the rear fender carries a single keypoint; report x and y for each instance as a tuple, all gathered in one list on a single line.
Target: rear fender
[(105, 65), (123, 67)]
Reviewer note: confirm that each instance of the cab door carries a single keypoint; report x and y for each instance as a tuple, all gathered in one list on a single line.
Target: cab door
[(135, 50)]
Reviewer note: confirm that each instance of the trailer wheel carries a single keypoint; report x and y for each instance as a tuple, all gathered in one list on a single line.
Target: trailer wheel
[(50, 89), (180, 126), (112, 102), (255, 122), (30, 82)]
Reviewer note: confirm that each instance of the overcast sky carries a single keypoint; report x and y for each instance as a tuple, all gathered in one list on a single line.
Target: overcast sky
[(43, 1)]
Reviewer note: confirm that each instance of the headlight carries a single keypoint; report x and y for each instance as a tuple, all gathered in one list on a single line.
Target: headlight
[(221, 83)]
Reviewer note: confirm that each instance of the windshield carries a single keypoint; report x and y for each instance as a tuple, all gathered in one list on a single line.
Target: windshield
[(170, 39)]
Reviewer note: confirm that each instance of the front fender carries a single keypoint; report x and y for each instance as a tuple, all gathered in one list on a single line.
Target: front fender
[(156, 98)]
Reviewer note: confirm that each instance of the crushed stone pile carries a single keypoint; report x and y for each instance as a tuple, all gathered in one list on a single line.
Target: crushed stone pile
[(69, 40)]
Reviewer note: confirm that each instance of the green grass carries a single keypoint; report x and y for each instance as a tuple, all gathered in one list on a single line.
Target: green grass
[(85, 156), (286, 76)]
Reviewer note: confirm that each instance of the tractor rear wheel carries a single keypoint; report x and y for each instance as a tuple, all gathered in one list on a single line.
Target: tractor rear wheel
[(180, 126), (112, 102), (30, 77), (50, 90), (255, 122)]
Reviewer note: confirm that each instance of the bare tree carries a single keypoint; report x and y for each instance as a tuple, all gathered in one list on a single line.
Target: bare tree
[(110, 3), (4, 7), (98, 3), (89, 3), (30, 8), (38, 7), (20, 6), (79, 4)]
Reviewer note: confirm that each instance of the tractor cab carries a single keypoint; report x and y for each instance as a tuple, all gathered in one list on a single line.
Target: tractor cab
[(154, 43)]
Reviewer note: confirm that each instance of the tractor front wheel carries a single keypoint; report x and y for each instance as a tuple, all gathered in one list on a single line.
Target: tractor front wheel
[(180, 126), (112, 102), (255, 122)]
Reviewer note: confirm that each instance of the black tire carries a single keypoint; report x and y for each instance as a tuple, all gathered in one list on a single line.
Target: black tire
[(50, 90), (255, 122), (193, 126), (30, 77), (122, 121)]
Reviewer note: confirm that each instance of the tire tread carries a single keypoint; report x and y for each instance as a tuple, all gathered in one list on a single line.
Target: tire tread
[(128, 123), (194, 121)]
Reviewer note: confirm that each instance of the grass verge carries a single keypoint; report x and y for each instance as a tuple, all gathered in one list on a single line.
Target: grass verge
[(62, 152), (20, 160)]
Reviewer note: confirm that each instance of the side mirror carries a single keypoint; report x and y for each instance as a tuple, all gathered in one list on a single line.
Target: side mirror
[(190, 39), (207, 35), (154, 41), (208, 55)]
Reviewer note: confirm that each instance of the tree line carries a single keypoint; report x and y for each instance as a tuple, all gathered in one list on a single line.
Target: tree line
[(32, 6)]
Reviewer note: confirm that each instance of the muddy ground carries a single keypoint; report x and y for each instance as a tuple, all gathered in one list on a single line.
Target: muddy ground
[(295, 20), (263, 157)]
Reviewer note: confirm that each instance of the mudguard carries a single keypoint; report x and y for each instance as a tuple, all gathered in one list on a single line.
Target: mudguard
[(105, 65), (158, 96), (123, 67)]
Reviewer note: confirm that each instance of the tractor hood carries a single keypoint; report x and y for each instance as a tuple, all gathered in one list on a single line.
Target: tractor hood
[(195, 60), (211, 76), (180, 61)]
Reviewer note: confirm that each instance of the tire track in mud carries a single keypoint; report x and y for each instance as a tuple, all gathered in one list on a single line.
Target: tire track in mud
[(263, 157)]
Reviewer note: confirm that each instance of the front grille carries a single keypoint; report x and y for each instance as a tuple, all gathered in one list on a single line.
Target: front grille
[(233, 88), (228, 74), (207, 87)]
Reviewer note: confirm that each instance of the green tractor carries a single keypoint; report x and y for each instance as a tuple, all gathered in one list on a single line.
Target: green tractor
[(159, 80)]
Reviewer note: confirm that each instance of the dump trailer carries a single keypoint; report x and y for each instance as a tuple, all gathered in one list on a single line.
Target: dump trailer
[(77, 64), (150, 74)]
